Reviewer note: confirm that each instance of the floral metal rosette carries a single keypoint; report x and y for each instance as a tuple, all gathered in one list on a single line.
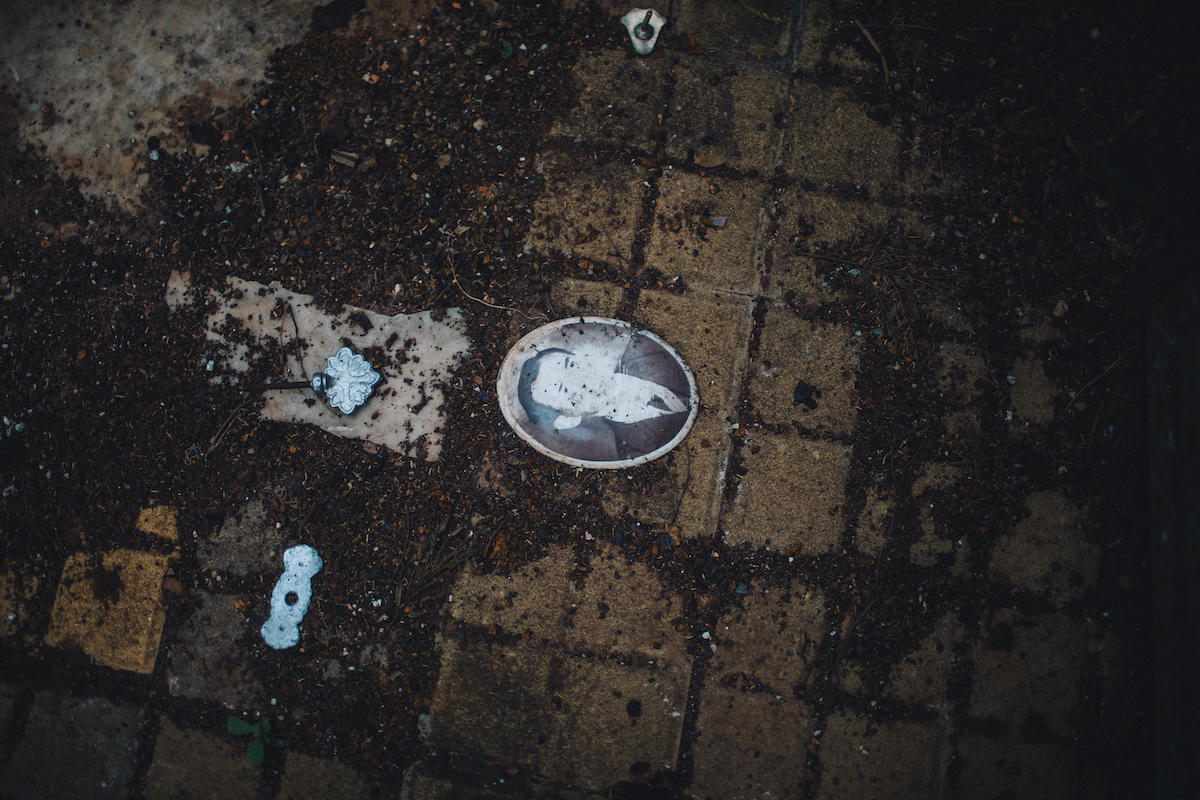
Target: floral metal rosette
[(349, 380)]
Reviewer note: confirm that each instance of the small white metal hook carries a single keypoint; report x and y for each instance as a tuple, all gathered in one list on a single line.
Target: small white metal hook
[(643, 25)]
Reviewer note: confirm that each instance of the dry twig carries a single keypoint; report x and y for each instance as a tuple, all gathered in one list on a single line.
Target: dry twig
[(878, 49), (470, 296)]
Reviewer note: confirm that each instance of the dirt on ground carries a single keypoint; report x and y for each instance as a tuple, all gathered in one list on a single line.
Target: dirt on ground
[(398, 173)]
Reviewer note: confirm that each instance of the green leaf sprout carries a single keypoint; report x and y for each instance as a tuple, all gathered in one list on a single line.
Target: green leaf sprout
[(260, 731)]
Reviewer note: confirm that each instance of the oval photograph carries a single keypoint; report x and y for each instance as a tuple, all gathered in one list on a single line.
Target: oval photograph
[(597, 393)]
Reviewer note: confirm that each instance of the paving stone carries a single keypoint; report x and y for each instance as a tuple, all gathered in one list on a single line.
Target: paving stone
[(1033, 394), (750, 745), (716, 25), (1047, 551), (588, 722), (835, 143), (593, 690), (191, 765), (873, 531), (530, 601), (686, 243), (1007, 767), (933, 550), (920, 676), (791, 494), (851, 675), (159, 521), (618, 608), (308, 778), (585, 298), (721, 112), (623, 607), (628, 119), (811, 222), (711, 331), (75, 748), (247, 541), (861, 757), (209, 657), (930, 480), (1027, 672), (587, 213), (110, 606), (798, 279), (1036, 327), (18, 587), (817, 221), (961, 375), (805, 373), (940, 545), (426, 782), (819, 23), (772, 638)]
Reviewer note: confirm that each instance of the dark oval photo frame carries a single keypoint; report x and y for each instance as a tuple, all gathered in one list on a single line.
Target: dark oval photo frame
[(597, 393)]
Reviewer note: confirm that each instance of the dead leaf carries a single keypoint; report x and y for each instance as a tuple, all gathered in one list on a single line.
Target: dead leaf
[(709, 160)]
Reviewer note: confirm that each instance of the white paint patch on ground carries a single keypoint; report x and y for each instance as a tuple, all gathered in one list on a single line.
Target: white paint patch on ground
[(249, 321), (96, 79)]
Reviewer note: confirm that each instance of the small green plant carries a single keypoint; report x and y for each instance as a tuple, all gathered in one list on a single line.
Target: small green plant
[(261, 731), (506, 49)]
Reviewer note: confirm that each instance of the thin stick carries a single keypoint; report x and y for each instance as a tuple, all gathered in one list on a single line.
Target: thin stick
[(878, 49), (469, 296), (841, 651), (858, 264), (216, 440), (1075, 396)]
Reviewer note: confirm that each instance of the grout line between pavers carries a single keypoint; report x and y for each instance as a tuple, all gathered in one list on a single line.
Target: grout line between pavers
[(799, 29), (645, 223)]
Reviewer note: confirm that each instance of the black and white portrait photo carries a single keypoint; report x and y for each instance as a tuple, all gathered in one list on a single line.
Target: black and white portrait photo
[(597, 392)]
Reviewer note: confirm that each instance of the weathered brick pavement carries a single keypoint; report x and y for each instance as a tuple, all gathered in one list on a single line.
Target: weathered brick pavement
[(603, 679)]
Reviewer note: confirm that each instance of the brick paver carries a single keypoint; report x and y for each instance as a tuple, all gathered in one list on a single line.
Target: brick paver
[(307, 778), (207, 659), (805, 373), (1048, 552), (791, 496), (711, 332), (1027, 672), (736, 116), (720, 26), (583, 683), (920, 677), (111, 607), (18, 585), (865, 757), (751, 744), (587, 213), (192, 765), (75, 747)]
